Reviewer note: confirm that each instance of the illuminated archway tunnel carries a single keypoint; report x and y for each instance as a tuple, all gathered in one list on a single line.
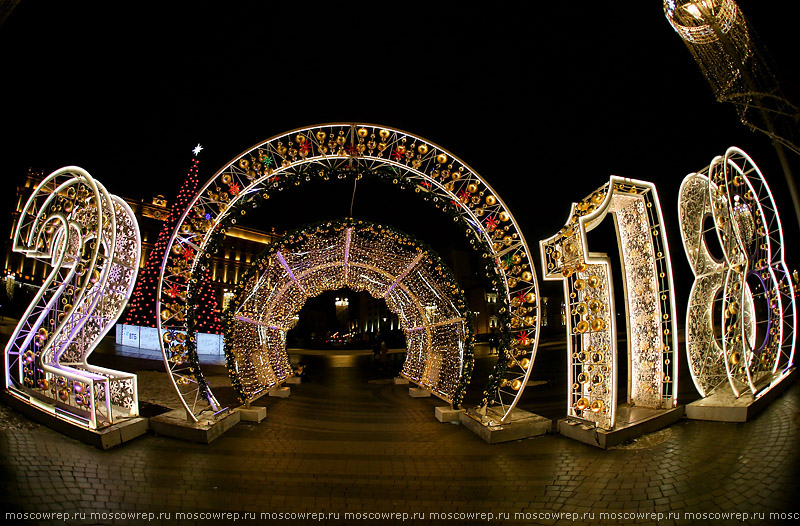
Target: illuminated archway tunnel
[(351, 150), (411, 278)]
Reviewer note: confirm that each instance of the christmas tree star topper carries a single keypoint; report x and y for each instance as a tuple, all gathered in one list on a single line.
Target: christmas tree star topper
[(197, 149)]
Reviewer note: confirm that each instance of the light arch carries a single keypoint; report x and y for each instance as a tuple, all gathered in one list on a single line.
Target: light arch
[(351, 150), (361, 256)]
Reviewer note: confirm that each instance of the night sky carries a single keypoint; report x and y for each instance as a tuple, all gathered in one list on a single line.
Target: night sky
[(544, 99)]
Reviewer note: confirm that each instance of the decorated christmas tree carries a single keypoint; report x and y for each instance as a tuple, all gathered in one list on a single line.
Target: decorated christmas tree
[(142, 311)]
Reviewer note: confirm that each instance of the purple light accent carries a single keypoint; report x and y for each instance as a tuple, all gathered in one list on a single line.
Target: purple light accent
[(404, 274), (291, 274), (348, 234), (416, 329), (769, 312)]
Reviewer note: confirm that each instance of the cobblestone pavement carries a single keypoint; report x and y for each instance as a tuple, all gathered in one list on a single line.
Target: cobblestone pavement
[(348, 441)]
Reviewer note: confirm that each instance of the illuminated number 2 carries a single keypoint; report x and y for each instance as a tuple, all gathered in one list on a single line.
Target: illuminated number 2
[(92, 241), (748, 288), (649, 302)]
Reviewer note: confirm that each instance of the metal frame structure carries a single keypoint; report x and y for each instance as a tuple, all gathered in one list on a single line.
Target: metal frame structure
[(321, 151), (750, 347), (92, 241), (414, 282), (649, 302)]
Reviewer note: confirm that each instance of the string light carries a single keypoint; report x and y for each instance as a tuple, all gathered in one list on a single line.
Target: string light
[(362, 256)]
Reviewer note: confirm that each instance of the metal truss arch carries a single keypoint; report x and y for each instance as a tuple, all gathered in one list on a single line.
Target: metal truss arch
[(304, 154)]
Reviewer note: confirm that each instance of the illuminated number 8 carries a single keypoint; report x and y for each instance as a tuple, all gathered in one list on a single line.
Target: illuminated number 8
[(749, 289)]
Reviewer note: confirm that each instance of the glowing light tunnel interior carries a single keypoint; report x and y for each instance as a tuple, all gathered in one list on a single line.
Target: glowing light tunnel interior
[(414, 282)]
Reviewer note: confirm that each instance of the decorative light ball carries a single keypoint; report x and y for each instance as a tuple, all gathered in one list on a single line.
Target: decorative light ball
[(597, 406), (581, 404), (530, 297), (592, 281), (441, 158), (594, 305), (516, 384), (362, 132), (598, 198), (598, 324), (580, 267), (526, 276), (524, 363), (63, 394), (422, 149), (226, 178), (735, 358), (580, 284), (566, 272), (583, 378), (582, 326), (491, 200), (472, 188), (165, 314), (384, 134), (504, 216), (581, 309)]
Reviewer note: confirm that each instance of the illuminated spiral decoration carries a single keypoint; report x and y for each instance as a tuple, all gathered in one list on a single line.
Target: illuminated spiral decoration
[(92, 241), (749, 289), (350, 150), (649, 302), (415, 283)]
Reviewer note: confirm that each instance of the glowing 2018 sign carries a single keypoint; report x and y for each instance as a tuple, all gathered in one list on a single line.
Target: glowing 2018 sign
[(649, 302), (741, 320), (92, 241)]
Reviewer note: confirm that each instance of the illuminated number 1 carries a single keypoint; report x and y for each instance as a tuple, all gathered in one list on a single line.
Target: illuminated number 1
[(649, 302)]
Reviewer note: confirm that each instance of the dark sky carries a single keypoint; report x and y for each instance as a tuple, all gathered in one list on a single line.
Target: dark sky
[(544, 99)]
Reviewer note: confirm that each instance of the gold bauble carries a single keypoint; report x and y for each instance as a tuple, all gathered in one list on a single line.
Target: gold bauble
[(580, 284), (581, 309), (472, 188), (524, 363), (598, 198), (598, 324), (441, 158), (566, 272), (526, 276), (581, 404), (735, 358), (226, 178), (422, 149), (594, 305), (516, 384), (504, 216), (362, 132), (583, 378), (321, 135), (491, 200), (530, 297), (596, 406), (529, 320), (384, 134), (582, 326), (593, 281)]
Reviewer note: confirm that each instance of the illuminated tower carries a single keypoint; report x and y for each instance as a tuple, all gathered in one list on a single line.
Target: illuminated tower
[(724, 46)]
